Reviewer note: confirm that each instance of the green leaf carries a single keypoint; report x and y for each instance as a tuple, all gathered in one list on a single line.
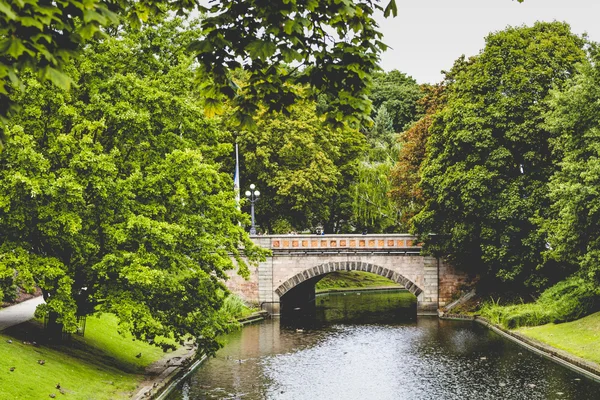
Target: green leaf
[(7, 10), (28, 21), (14, 47), (261, 49), (289, 26), (57, 77), (88, 31), (391, 8), (92, 15)]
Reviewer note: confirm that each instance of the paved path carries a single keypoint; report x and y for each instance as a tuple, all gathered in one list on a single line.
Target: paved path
[(18, 313)]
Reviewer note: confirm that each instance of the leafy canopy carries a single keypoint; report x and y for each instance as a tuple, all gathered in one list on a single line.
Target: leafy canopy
[(111, 196), (43, 35), (489, 159)]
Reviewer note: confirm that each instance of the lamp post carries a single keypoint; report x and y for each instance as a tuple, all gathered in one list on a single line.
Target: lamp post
[(252, 195)]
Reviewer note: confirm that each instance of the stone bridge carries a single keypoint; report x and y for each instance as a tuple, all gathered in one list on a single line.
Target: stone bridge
[(298, 262)]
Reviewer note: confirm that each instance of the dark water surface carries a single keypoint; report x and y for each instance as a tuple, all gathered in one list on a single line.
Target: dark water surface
[(425, 358)]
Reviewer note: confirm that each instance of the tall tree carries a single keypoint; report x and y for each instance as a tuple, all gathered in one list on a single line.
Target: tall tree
[(405, 176), (372, 208), (112, 200), (398, 93), (302, 168), (488, 156), (574, 223)]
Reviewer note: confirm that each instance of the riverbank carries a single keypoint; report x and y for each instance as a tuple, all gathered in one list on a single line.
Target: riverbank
[(564, 349), (100, 365), (580, 337), (353, 280)]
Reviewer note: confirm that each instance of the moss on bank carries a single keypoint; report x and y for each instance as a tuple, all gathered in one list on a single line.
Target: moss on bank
[(568, 300)]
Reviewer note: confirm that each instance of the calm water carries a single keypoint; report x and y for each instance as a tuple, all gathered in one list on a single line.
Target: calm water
[(425, 358)]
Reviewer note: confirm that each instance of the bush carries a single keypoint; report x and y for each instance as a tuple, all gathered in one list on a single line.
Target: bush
[(566, 301), (236, 307)]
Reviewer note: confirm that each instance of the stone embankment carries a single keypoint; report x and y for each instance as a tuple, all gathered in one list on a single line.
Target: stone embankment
[(587, 368)]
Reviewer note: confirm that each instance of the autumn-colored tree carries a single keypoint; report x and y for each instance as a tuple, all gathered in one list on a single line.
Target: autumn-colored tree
[(405, 176)]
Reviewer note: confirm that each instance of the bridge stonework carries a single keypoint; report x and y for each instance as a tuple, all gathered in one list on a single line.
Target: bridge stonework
[(306, 258)]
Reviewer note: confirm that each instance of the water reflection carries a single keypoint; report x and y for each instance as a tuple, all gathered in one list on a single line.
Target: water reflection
[(354, 307), (423, 359)]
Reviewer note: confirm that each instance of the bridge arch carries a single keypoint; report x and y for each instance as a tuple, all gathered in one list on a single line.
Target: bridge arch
[(328, 267)]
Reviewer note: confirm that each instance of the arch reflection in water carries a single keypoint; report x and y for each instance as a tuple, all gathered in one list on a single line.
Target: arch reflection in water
[(353, 307)]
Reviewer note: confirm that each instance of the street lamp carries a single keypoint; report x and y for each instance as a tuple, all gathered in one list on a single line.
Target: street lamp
[(252, 195)]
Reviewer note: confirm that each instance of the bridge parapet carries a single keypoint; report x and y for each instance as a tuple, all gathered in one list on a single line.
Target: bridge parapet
[(379, 242)]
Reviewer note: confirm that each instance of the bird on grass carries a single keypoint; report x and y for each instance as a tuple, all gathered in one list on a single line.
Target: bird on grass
[(138, 355), (58, 385), (12, 369), (41, 362)]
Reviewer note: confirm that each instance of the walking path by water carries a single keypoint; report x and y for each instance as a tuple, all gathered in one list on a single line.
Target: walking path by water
[(19, 313)]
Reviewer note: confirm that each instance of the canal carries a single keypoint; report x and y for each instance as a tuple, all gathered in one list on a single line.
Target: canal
[(366, 346)]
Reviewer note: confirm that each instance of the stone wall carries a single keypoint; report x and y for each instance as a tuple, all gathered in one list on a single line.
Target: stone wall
[(247, 289), (451, 281)]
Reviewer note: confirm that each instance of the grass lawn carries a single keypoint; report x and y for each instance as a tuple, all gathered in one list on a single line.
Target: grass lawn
[(101, 365), (580, 337), (341, 280)]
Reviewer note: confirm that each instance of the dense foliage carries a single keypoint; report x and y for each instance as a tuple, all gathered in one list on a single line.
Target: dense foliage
[(111, 197), (574, 222), (398, 94), (303, 169), (489, 160), (337, 43)]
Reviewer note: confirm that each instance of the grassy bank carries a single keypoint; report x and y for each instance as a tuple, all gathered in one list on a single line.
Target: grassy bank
[(580, 337), (341, 280), (101, 365), (566, 301)]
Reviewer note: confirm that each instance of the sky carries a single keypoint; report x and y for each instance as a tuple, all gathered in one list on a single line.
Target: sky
[(428, 35)]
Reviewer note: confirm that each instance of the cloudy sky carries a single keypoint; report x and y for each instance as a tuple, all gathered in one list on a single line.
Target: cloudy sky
[(428, 35)]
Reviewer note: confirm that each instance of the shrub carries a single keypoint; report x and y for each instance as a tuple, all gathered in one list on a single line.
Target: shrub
[(568, 300), (235, 306)]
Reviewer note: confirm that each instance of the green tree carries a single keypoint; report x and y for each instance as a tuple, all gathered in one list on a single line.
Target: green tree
[(112, 200), (488, 156), (302, 168), (398, 93), (43, 35), (373, 209), (575, 219)]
